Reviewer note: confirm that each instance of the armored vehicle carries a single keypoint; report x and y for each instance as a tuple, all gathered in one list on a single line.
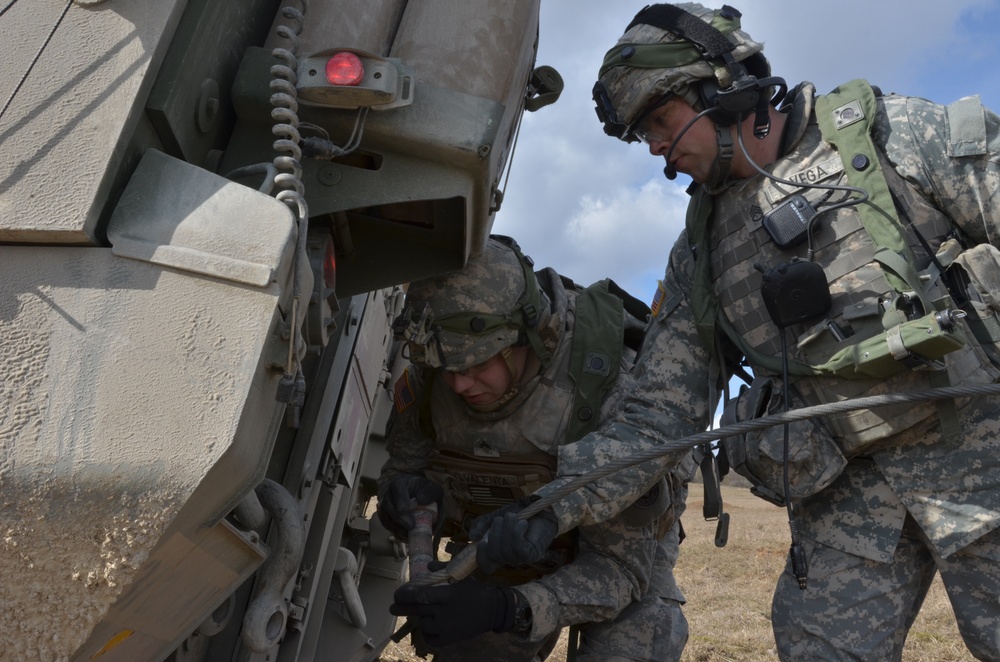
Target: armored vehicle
[(207, 209)]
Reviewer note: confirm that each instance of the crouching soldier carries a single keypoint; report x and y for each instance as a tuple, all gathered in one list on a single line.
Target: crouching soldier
[(509, 368)]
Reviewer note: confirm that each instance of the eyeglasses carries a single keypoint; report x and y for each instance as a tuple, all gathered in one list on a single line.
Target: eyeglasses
[(652, 127), (650, 120)]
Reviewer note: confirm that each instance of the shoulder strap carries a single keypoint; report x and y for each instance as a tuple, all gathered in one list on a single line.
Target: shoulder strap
[(846, 117), (595, 356), (704, 305)]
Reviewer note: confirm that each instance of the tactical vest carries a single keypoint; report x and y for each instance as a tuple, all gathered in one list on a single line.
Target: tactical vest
[(878, 272), (489, 460)]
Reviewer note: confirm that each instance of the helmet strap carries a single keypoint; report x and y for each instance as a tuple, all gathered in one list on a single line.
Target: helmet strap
[(505, 353), (515, 382), (724, 159)]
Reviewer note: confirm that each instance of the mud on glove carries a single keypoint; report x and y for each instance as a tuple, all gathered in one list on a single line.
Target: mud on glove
[(512, 541), (448, 614), (395, 510)]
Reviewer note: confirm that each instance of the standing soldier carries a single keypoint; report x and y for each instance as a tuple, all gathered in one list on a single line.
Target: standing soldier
[(508, 366), (845, 245)]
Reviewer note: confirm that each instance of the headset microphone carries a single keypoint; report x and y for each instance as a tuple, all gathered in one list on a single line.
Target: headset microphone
[(669, 172)]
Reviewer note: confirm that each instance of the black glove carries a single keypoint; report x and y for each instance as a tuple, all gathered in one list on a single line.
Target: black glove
[(395, 509), (450, 613), (512, 541)]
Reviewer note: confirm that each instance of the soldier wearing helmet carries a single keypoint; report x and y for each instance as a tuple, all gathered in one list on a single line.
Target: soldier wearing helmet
[(505, 372), (841, 245)]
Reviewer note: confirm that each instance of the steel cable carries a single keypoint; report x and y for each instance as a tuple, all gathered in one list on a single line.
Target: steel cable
[(464, 563)]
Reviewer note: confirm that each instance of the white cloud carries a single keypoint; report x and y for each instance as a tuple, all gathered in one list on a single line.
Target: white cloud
[(629, 230)]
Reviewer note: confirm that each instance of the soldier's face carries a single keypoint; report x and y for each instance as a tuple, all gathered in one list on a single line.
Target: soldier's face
[(695, 150), (487, 382)]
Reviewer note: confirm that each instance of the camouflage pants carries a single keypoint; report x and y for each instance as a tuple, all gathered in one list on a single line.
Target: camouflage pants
[(653, 629), (858, 609)]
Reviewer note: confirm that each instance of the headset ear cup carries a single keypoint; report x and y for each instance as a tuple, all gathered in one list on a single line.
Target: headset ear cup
[(708, 93), (731, 106)]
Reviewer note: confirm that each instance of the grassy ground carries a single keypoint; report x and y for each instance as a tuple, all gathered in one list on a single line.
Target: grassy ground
[(729, 591)]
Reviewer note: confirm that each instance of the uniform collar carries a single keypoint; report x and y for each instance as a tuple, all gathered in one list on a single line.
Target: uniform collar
[(799, 108)]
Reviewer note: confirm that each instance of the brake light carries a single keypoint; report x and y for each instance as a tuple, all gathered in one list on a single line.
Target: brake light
[(344, 68), (350, 78)]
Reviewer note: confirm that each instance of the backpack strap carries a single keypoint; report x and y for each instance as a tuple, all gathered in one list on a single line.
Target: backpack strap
[(846, 117), (595, 356)]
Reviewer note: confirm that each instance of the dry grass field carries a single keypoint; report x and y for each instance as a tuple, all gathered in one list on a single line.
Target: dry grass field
[(729, 591)]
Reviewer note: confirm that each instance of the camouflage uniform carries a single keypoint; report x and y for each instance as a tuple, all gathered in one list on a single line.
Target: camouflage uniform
[(917, 502), (619, 586)]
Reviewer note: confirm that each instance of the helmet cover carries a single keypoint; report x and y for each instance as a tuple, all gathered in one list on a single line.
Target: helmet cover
[(462, 318), (648, 64)]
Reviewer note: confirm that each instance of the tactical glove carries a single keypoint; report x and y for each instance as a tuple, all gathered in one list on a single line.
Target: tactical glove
[(448, 614), (395, 509), (512, 541)]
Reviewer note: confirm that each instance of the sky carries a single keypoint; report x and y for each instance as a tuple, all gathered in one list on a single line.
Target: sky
[(592, 207)]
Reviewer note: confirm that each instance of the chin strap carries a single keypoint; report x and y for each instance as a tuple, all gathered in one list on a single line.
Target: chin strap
[(515, 385), (724, 160)]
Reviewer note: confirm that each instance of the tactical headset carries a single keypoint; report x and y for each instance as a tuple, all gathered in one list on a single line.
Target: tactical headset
[(747, 94)]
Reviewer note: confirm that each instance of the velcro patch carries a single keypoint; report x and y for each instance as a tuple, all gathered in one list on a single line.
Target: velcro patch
[(664, 300), (403, 392), (657, 298), (813, 174)]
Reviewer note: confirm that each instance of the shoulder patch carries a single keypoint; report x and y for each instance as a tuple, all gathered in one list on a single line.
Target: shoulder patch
[(663, 300), (654, 307), (403, 392), (966, 128)]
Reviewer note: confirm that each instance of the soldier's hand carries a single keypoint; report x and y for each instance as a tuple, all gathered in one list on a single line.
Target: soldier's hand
[(482, 523), (395, 510), (511, 541), (448, 614)]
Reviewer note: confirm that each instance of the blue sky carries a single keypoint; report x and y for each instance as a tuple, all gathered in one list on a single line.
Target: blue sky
[(594, 207)]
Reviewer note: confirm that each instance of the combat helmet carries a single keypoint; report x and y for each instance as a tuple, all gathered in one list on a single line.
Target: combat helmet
[(462, 318), (699, 54)]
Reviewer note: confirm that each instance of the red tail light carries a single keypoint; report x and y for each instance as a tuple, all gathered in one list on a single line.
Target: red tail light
[(345, 68)]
